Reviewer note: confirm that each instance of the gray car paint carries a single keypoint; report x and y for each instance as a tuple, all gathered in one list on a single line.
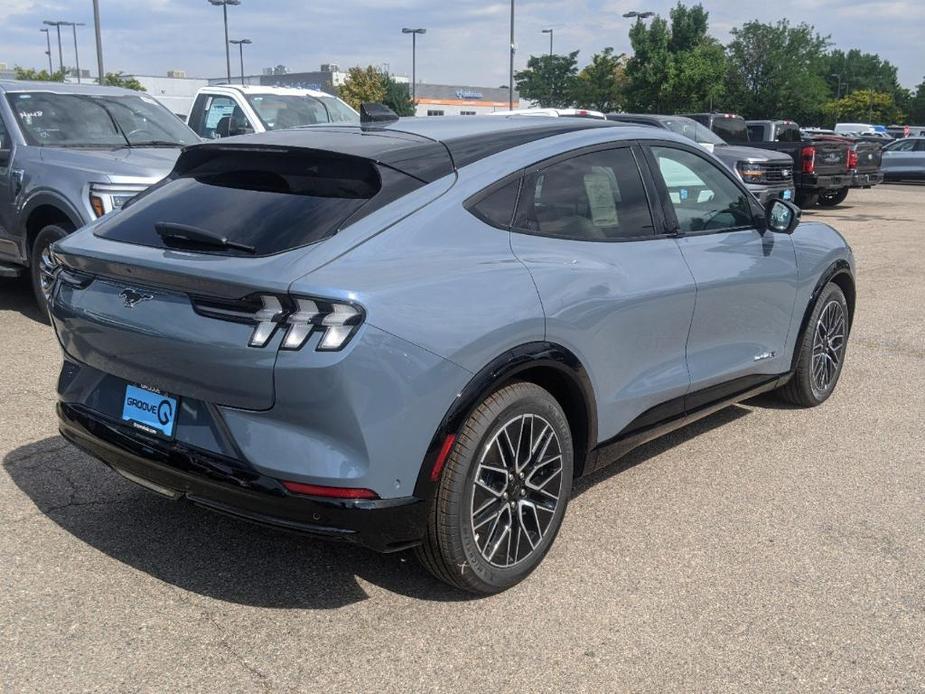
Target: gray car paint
[(61, 177), (444, 294)]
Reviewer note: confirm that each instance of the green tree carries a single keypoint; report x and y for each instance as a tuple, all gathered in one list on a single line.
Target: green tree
[(676, 66), (856, 70), (363, 84), (601, 84), (31, 74), (397, 96), (118, 79), (776, 71), (865, 106), (549, 80), (916, 107)]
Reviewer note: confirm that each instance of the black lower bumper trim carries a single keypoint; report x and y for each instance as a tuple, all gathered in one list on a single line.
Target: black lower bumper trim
[(234, 488)]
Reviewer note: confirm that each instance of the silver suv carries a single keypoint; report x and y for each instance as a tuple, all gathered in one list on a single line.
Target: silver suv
[(70, 154)]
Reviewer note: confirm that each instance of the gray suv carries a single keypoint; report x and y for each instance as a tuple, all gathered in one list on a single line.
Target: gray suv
[(418, 333), (68, 155)]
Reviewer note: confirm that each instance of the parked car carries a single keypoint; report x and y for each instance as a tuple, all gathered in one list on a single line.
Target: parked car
[(227, 110), (68, 155), (767, 175), (859, 129), (554, 112), (864, 157), (904, 159), (419, 334), (728, 126), (820, 166)]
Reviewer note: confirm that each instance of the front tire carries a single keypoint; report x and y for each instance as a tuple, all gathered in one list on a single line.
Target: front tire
[(40, 264), (821, 351), (503, 492), (831, 198)]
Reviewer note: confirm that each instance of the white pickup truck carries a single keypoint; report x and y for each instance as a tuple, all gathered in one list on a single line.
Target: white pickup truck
[(226, 110)]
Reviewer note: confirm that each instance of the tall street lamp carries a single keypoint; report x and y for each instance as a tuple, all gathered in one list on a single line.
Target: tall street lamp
[(510, 80), (414, 50), (549, 31), (57, 26), (224, 5), (99, 40), (74, 26), (838, 88), (48, 50), (240, 43)]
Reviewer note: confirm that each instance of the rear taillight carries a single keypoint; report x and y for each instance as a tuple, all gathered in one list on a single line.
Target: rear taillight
[(852, 159), (808, 158), (298, 316)]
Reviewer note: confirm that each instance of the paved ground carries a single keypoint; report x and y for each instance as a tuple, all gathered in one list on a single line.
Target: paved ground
[(762, 549)]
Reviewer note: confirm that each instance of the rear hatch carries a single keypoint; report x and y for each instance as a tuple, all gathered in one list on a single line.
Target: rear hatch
[(170, 292)]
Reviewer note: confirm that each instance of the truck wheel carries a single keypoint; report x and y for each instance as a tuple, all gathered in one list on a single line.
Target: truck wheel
[(503, 492), (39, 264), (806, 200), (831, 198)]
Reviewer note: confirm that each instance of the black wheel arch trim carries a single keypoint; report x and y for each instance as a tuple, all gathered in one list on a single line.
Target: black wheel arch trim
[(839, 268), (502, 369), (41, 198)]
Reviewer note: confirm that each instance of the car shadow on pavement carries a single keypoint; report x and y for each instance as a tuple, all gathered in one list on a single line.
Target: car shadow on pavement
[(228, 559), (16, 295)]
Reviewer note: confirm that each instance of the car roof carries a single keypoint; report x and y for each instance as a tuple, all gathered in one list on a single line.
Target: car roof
[(266, 89), (62, 88)]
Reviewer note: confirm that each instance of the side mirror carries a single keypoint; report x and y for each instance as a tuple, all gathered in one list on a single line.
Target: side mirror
[(782, 216)]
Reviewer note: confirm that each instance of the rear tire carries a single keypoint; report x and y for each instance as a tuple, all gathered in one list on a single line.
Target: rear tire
[(821, 352), (500, 501), (39, 264), (831, 198)]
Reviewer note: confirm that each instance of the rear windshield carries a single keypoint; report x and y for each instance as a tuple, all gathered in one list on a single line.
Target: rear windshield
[(692, 130), (732, 130), (789, 133), (257, 202), (278, 111)]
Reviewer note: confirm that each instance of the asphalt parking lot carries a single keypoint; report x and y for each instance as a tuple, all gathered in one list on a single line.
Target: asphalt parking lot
[(764, 548)]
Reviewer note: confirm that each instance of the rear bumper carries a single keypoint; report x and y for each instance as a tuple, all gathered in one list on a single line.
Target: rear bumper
[(816, 183), (235, 488), (866, 180)]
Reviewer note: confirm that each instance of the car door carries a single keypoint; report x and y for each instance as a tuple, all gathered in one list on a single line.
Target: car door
[(10, 181), (614, 287), (746, 279), (218, 115)]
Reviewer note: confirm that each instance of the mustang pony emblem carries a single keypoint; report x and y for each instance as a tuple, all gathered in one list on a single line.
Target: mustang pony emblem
[(130, 297)]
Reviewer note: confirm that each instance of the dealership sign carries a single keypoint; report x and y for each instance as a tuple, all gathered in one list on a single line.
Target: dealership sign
[(468, 94)]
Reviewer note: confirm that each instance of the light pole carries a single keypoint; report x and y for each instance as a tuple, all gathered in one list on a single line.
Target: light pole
[(74, 26), (240, 43), (224, 5), (48, 50), (414, 51), (838, 87), (549, 31), (57, 25), (510, 80), (99, 40)]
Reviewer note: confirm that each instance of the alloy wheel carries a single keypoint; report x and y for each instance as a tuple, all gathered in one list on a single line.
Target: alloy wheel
[(46, 272), (516, 490), (828, 347)]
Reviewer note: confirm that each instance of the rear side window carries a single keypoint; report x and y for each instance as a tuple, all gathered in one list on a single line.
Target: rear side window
[(497, 206), (732, 130), (590, 197), (269, 201), (755, 133)]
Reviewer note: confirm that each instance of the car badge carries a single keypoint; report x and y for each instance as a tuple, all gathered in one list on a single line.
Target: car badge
[(130, 297)]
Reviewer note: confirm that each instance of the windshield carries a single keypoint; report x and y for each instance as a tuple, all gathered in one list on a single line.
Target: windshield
[(692, 130), (278, 111), (89, 120)]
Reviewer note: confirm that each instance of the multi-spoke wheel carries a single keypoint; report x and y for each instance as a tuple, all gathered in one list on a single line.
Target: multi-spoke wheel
[(40, 264), (503, 491), (821, 352)]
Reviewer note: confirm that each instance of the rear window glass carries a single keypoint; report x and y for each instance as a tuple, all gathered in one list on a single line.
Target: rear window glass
[(732, 130), (268, 201), (789, 133)]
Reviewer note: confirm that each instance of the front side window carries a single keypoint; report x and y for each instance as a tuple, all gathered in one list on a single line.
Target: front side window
[(91, 120), (703, 197), (590, 197), (222, 117), (901, 146)]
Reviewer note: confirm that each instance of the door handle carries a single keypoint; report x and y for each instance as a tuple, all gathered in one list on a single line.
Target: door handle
[(16, 180)]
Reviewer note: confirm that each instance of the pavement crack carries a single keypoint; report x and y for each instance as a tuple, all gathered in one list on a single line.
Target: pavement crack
[(258, 675)]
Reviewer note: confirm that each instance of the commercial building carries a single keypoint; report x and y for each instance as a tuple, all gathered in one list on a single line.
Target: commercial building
[(460, 100)]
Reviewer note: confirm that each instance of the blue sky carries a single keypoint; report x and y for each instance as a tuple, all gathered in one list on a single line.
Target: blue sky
[(466, 41)]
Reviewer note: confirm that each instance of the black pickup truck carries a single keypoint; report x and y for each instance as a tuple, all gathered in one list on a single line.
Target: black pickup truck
[(821, 167), (864, 159)]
